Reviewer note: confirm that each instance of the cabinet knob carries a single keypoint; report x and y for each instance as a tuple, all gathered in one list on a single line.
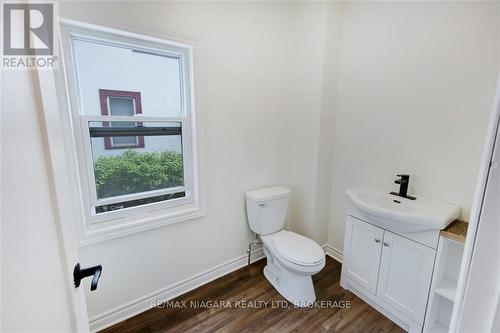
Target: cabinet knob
[(377, 240), (387, 244)]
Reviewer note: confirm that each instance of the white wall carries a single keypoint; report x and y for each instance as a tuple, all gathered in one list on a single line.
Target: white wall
[(32, 280), (304, 108), (416, 84), (327, 118)]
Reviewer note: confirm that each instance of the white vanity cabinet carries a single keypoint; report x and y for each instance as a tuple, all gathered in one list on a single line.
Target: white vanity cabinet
[(389, 271)]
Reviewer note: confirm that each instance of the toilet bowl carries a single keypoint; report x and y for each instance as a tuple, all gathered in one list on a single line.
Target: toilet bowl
[(292, 259)]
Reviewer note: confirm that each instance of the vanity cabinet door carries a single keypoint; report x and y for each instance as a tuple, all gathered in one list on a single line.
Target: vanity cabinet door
[(362, 251), (405, 275)]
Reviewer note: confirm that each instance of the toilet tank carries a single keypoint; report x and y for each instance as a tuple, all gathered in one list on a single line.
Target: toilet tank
[(267, 208)]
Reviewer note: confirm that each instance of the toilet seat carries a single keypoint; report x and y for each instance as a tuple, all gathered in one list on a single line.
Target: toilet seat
[(295, 248)]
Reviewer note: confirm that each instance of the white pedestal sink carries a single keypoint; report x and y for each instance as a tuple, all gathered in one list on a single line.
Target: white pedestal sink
[(398, 214)]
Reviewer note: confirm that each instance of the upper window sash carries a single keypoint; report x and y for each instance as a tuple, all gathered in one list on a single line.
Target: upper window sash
[(179, 53)]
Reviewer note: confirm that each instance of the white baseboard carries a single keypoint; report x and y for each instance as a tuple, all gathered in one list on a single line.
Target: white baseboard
[(333, 252), (142, 304)]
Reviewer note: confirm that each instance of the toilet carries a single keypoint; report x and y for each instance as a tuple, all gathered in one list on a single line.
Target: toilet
[(292, 259)]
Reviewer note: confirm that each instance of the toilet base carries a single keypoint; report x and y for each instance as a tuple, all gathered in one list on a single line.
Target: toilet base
[(297, 289)]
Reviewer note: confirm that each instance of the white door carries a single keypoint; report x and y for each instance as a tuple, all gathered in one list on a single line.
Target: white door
[(405, 275), (477, 301), (65, 210), (362, 252)]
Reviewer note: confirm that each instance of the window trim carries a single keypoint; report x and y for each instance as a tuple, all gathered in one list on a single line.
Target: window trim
[(148, 216), (104, 95)]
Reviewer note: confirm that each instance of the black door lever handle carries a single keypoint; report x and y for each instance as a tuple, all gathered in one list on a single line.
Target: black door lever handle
[(80, 273)]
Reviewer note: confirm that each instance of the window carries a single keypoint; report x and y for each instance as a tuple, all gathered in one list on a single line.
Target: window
[(132, 105), (121, 103)]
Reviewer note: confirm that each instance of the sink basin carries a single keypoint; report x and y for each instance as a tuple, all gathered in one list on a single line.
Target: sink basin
[(399, 214)]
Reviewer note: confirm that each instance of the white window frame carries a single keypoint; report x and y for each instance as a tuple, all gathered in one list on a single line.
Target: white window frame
[(102, 226)]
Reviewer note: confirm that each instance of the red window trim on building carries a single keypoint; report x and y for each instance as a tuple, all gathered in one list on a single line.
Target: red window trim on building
[(103, 97)]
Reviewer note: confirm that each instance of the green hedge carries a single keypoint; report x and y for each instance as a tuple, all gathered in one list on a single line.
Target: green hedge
[(134, 172)]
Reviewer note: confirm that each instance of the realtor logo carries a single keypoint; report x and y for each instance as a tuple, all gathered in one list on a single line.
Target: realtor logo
[(28, 35)]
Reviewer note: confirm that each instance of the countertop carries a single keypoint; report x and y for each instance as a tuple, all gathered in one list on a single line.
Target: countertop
[(456, 230)]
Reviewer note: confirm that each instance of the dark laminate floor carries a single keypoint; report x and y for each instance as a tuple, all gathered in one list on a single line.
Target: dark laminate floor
[(249, 285)]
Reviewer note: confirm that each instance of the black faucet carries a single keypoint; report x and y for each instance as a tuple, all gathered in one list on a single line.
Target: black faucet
[(404, 181)]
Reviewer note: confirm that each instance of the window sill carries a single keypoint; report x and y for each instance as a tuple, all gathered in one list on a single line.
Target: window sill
[(103, 231)]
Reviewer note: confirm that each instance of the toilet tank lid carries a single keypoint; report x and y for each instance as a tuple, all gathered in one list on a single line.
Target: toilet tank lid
[(268, 193)]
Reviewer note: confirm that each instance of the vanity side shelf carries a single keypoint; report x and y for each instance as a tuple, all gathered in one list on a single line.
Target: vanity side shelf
[(445, 277)]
